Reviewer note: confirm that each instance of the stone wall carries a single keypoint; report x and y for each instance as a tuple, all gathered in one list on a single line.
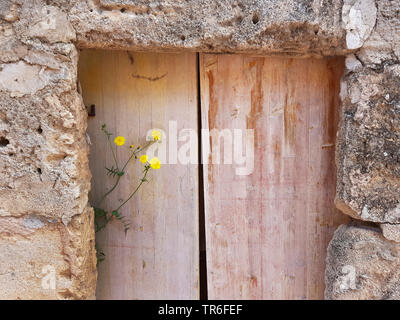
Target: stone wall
[(46, 226), (368, 163)]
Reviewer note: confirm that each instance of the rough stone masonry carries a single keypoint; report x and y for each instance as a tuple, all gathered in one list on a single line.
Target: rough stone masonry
[(46, 225)]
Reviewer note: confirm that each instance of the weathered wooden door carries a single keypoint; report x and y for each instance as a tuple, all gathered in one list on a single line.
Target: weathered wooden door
[(132, 93), (266, 231)]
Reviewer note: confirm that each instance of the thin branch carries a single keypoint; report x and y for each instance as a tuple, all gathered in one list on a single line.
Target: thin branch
[(137, 188)]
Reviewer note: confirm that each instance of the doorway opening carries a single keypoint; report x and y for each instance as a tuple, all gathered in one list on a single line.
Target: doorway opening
[(252, 225)]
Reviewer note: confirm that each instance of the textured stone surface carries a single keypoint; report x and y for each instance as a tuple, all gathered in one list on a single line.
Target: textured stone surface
[(362, 264), (264, 26), (44, 174), (46, 260), (359, 17), (391, 231), (368, 150)]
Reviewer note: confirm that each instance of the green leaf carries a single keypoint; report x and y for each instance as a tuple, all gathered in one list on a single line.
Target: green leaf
[(98, 212), (99, 254), (117, 215), (114, 172)]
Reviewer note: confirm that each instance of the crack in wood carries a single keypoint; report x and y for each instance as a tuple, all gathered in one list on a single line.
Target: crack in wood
[(152, 79)]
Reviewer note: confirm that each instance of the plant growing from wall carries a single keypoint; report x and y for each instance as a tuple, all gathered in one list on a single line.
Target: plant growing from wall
[(116, 171)]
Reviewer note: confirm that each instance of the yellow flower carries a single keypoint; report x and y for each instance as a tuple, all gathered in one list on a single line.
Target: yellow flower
[(156, 135), (132, 146), (155, 163), (119, 141), (143, 158)]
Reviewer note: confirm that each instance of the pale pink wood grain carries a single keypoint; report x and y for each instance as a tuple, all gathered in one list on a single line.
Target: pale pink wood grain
[(267, 232), (135, 92)]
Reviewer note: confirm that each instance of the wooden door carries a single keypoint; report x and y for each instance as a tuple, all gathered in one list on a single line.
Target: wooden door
[(132, 93), (267, 232)]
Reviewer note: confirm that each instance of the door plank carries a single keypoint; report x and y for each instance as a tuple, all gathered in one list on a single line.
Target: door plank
[(132, 93), (267, 232)]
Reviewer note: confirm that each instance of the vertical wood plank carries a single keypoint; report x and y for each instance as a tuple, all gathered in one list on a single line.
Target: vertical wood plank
[(133, 93), (267, 232)]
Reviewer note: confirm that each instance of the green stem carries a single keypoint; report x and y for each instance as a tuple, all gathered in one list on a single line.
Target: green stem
[(137, 188), (109, 191), (113, 153), (126, 163), (119, 177), (135, 152)]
